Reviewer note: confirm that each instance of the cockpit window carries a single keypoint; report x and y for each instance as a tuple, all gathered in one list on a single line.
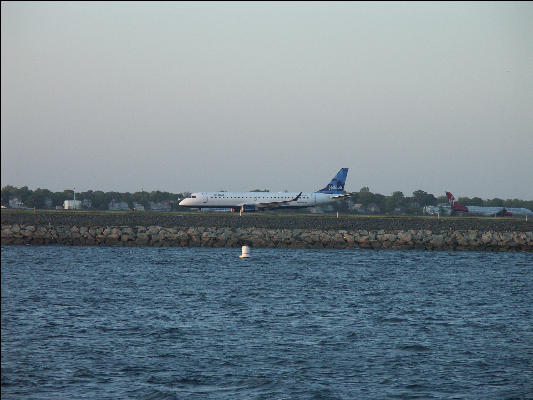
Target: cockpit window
[(193, 197)]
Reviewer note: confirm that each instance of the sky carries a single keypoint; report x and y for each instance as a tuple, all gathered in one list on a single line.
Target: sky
[(180, 97)]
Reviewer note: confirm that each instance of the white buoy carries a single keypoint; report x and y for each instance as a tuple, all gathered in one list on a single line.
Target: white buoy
[(245, 252)]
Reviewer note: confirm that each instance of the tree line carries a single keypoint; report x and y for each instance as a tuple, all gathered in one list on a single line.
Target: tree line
[(397, 202), (99, 200)]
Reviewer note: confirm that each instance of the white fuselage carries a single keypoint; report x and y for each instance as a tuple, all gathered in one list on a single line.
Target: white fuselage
[(489, 211), (239, 199), (519, 211)]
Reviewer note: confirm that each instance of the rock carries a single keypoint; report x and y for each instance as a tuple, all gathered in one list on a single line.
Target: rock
[(262, 237)]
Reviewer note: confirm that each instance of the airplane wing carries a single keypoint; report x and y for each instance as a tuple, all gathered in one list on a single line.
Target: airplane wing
[(272, 204)]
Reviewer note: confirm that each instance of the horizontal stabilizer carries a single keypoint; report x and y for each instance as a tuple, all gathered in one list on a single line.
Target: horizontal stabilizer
[(340, 196)]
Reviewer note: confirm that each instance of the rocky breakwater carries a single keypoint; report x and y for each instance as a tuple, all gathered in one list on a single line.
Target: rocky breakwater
[(201, 236)]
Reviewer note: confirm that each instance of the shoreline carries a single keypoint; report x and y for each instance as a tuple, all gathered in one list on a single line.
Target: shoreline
[(265, 230)]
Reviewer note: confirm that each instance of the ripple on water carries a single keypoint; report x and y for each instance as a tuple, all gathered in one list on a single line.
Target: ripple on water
[(202, 324)]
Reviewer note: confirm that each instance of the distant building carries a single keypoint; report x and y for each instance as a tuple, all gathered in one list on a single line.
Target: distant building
[(118, 206), (87, 203), (162, 206), (373, 208), (15, 203), (357, 207), (72, 205), (398, 211), (48, 203), (138, 206)]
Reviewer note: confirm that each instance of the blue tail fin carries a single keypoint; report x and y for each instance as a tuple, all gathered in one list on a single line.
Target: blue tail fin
[(336, 186)]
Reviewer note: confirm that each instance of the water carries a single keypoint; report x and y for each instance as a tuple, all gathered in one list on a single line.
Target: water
[(196, 323)]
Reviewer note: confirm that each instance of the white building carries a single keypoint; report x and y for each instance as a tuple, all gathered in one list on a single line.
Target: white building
[(72, 205), (15, 203)]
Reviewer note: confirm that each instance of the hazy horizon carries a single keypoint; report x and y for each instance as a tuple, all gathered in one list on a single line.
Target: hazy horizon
[(237, 96)]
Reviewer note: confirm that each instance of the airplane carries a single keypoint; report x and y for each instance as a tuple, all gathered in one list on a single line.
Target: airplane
[(261, 201), (457, 207)]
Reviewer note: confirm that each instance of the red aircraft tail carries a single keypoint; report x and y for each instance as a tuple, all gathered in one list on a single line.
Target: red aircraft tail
[(456, 206)]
